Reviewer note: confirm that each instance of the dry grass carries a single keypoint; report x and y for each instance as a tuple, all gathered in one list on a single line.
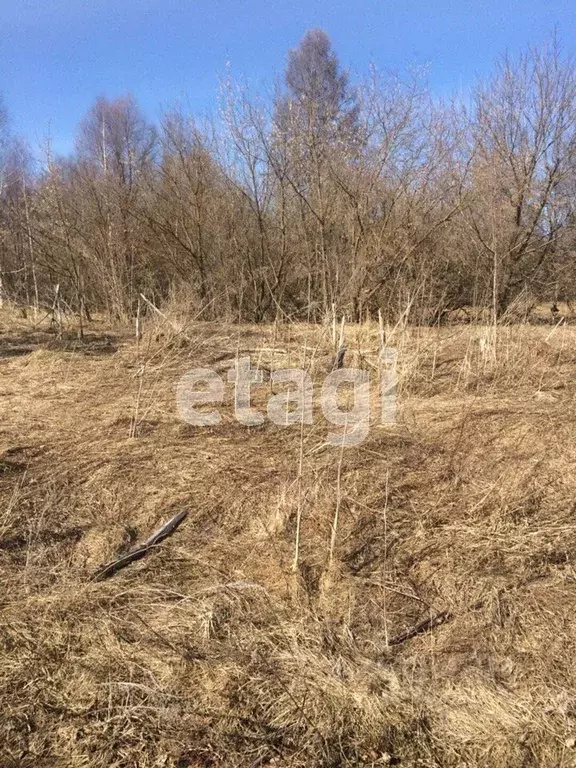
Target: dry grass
[(212, 651)]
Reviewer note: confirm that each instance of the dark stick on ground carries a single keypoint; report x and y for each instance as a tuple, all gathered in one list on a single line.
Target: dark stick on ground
[(105, 571), (339, 359), (444, 616), (423, 626)]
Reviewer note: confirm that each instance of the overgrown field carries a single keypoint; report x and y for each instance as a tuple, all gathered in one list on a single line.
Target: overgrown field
[(227, 647)]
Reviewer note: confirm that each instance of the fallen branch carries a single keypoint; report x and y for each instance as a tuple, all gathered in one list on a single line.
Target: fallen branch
[(339, 359), (105, 571), (444, 616), (423, 626)]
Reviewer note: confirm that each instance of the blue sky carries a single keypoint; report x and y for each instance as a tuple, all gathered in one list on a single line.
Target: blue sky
[(56, 56)]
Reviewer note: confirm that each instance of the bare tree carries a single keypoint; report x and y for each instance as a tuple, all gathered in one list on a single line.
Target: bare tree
[(115, 152), (524, 131), (317, 116)]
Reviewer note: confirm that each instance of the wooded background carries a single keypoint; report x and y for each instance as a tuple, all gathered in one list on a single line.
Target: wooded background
[(367, 196)]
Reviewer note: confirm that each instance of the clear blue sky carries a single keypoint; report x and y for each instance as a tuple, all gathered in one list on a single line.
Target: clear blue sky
[(56, 56)]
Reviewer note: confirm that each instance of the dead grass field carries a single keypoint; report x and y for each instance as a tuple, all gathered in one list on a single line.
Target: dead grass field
[(213, 651)]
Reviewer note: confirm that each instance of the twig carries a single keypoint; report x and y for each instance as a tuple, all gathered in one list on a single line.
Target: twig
[(384, 565), (178, 331), (138, 326), (444, 616), (300, 469), (339, 359), (337, 510), (105, 571), (423, 626)]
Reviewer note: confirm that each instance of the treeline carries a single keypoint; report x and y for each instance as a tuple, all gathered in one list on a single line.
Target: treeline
[(325, 195)]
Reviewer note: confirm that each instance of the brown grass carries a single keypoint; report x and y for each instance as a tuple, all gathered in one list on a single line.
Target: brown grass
[(212, 651)]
